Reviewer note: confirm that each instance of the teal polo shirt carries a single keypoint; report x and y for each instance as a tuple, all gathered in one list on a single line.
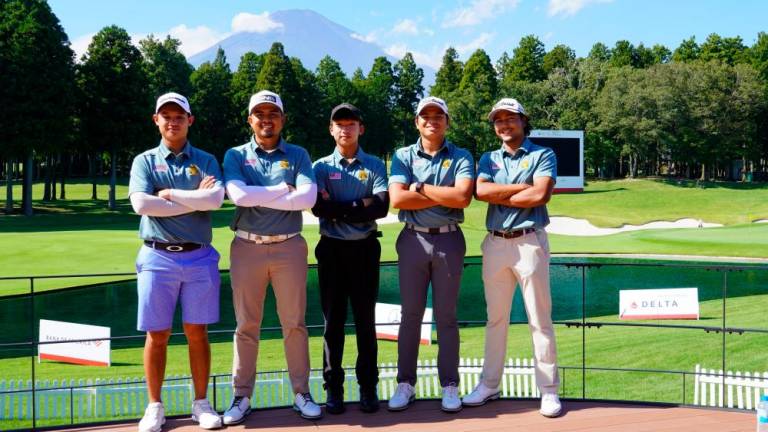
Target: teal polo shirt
[(500, 166), (411, 164), (349, 181), (253, 166), (158, 169)]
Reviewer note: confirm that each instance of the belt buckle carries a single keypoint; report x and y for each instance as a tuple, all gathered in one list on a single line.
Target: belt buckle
[(174, 248)]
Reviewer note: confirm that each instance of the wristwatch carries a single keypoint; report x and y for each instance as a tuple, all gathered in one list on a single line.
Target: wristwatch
[(419, 187)]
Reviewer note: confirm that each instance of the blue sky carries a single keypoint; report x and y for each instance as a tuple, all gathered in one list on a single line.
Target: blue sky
[(427, 28)]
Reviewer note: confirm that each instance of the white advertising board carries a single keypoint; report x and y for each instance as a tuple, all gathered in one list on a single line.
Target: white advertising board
[(92, 352), (662, 303), (390, 313)]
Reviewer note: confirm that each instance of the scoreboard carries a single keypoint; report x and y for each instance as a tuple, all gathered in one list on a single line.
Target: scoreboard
[(568, 146)]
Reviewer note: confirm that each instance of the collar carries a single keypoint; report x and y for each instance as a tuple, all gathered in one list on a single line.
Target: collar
[(165, 152), (256, 148), (525, 147), (341, 160), (446, 147)]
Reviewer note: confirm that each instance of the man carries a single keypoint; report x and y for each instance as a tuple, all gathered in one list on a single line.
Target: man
[(174, 187), (271, 183), (431, 183), (352, 195), (516, 181)]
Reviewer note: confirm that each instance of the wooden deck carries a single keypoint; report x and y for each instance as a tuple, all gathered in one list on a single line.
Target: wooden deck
[(503, 415)]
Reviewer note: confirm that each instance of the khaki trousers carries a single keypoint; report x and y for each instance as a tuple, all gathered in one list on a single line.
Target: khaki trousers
[(507, 262), (253, 267)]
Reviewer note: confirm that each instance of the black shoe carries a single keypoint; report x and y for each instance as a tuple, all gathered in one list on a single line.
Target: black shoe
[(334, 403), (369, 401)]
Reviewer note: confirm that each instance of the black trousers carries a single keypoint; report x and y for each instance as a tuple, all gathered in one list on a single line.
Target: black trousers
[(348, 272)]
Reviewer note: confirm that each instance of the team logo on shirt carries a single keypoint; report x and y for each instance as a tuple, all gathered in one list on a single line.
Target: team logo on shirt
[(334, 176), (447, 163), (161, 168), (193, 170), (362, 175), (284, 164), (524, 164)]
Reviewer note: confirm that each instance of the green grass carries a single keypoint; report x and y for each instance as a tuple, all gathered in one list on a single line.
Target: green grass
[(617, 202), (79, 236), (607, 347)]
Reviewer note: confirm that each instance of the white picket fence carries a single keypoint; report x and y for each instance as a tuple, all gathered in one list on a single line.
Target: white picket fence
[(100, 399), (731, 390)]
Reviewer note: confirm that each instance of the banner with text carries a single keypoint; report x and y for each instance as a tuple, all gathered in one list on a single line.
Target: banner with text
[(662, 303), (91, 352), (390, 313)]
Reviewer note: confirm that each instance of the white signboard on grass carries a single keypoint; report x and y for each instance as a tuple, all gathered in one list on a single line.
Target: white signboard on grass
[(92, 352), (664, 303), (390, 313)]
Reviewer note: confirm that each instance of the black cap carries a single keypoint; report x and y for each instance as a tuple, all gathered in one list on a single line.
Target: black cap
[(346, 111)]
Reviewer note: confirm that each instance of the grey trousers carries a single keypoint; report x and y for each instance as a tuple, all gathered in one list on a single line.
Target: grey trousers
[(423, 259)]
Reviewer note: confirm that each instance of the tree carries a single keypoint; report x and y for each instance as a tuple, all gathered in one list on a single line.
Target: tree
[(277, 75), (312, 131), (469, 105), (243, 85), (116, 105), (449, 75), (527, 62), (644, 57), (758, 55), (727, 50), (560, 57), (216, 121), (378, 90), (408, 91), (36, 71), (600, 52), (624, 54), (166, 68), (334, 86), (688, 51), (661, 54)]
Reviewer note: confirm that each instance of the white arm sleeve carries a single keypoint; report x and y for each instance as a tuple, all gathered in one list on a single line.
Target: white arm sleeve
[(199, 199), (254, 196), (150, 205), (303, 198)]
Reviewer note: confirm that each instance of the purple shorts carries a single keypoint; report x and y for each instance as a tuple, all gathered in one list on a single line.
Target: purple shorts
[(165, 277)]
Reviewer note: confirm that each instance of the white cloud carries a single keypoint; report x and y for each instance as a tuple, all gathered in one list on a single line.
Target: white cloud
[(80, 44), (477, 12), (569, 7), (370, 37), (406, 26), (432, 60), (195, 39), (478, 42), (254, 23)]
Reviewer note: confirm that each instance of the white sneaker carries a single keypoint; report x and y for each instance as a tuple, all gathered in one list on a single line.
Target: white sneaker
[(204, 415), (550, 405), (480, 395), (404, 396), (451, 401), (154, 418), (306, 406), (240, 407)]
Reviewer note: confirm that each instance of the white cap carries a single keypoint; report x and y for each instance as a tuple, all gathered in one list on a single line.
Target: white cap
[(507, 104), (432, 101), (175, 98), (265, 96)]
